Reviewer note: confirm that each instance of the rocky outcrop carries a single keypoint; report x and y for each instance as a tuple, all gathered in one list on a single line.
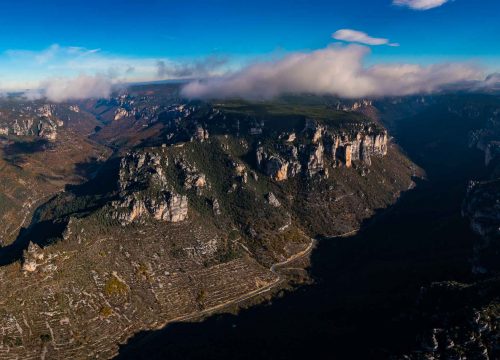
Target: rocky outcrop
[(122, 113), (272, 200), (482, 202), (360, 146), (192, 178), (39, 127), (492, 152), (319, 147), (453, 328), (28, 121), (164, 206), (143, 169), (46, 111), (146, 109), (353, 105), (200, 134), (482, 207), (216, 207), (145, 192), (486, 138), (485, 141), (279, 167), (316, 162), (32, 257)]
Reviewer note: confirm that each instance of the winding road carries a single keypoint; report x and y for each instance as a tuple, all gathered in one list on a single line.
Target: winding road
[(279, 280)]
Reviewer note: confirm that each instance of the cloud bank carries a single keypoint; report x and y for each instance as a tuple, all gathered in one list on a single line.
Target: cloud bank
[(80, 87), (336, 70), (490, 84), (360, 37), (420, 4)]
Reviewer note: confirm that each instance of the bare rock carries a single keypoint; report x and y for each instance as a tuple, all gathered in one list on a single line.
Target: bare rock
[(216, 207), (200, 134), (272, 200), (32, 257)]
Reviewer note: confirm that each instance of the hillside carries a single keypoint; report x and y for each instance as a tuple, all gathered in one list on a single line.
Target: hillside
[(419, 281), (189, 215)]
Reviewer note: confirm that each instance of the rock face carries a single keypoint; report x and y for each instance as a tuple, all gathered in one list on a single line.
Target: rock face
[(459, 331), (272, 200), (29, 121), (122, 113), (145, 192), (32, 258), (319, 147), (482, 207), (492, 152), (165, 206), (486, 139), (316, 163), (40, 127), (200, 134), (353, 105), (216, 207), (144, 169), (145, 109), (277, 167), (193, 179), (360, 146), (482, 202)]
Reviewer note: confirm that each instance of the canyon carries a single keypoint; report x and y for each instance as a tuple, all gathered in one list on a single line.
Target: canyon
[(145, 210), (180, 215)]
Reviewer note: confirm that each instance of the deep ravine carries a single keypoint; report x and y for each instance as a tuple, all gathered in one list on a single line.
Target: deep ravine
[(366, 285)]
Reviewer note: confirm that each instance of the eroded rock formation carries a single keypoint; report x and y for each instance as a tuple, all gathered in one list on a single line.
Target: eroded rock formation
[(28, 121), (319, 148), (145, 191)]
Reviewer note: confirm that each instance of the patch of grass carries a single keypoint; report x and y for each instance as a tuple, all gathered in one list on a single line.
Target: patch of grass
[(105, 312), (115, 287)]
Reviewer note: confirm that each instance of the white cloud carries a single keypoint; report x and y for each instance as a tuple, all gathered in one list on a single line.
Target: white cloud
[(420, 4), (336, 70), (350, 35), (490, 83), (77, 88)]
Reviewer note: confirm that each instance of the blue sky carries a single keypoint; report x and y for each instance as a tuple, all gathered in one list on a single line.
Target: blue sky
[(43, 39)]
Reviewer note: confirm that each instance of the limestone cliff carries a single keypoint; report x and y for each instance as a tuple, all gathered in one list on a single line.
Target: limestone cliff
[(30, 121), (145, 191), (482, 207), (319, 148)]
